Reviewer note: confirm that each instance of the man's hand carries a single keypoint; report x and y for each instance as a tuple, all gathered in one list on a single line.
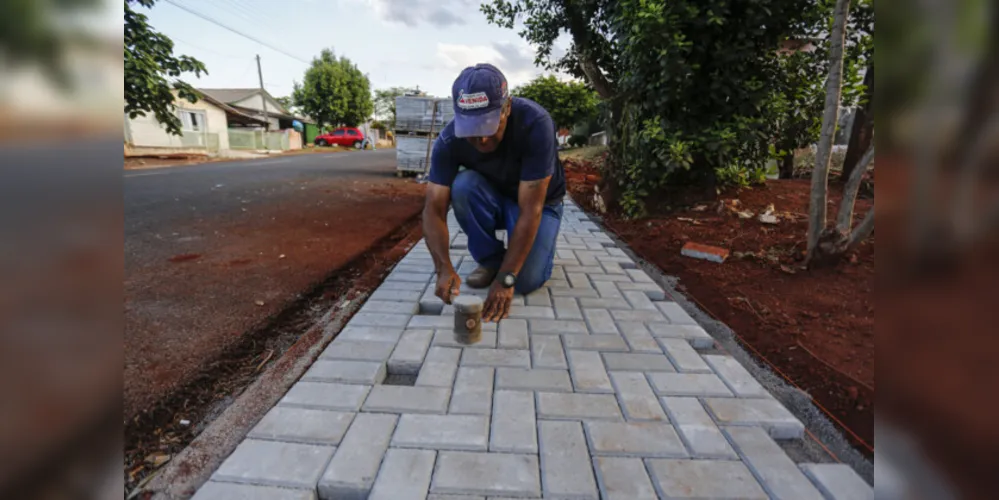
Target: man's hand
[(497, 305), (448, 283)]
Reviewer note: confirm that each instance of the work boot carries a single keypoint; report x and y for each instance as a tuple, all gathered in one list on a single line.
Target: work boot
[(481, 277)]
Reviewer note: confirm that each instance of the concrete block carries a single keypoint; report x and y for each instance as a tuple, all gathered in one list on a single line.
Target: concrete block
[(557, 405), (397, 276), (384, 306), (406, 399), (623, 479), (473, 391), (600, 322), (779, 475), (513, 334), (567, 308), (705, 479), (639, 315), (489, 474), (592, 269), (232, 491), (513, 358), (380, 319), (513, 423), (684, 357), (636, 397), (702, 436), (273, 463), (370, 333), (407, 358), (351, 473), (539, 297), (651, 289), (736, 377), (608, 289), (325, 396), (346, 372), (439, 367), (615, 278), (698, 338), (578, 280), (532, 311), (581, 292), (434, 496), (302, 425), (358, 350), (675, 313), (442, 432), (566, 470), (556, 326), (533, 380), (637, 362), (689, 384), (431, 322), (635, 439), (639, 300), (430, 305), (838, 482), (638, 337), (595, 343), (404, 475), (587, 303), (639, 276), (547, 352), (588, 372), (412, 296), (766, 413), (613, 267)]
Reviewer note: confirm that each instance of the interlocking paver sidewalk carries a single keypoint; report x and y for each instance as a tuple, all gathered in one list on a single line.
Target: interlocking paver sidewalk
[(597, 387)]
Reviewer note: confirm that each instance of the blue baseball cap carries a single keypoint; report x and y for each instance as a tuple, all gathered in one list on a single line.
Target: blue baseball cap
[(479, 93)]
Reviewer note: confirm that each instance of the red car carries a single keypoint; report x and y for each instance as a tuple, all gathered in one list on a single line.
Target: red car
[(343, 136)]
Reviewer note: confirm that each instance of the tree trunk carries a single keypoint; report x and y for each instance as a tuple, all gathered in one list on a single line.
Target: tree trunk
[(581, 38), (862, 133), (862, 231), (787, 166), (845, 219), (834, 90)]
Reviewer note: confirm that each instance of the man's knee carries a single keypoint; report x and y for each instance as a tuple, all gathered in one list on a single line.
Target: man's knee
[(464, 186), (531, 280)]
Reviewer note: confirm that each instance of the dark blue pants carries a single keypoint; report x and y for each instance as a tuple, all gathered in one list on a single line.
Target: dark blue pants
[(481, 210)]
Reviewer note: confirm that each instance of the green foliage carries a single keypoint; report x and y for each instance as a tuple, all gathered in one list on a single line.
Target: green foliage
[(569, 103), (149, 62), (379, 125), (385, 102), (334, 92), (285, 101), (577, 141)]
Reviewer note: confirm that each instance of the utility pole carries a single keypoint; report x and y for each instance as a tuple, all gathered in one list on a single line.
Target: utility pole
[(263, 96)]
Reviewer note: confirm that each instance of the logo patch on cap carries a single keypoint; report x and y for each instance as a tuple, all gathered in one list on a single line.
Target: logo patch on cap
[(473, 101)]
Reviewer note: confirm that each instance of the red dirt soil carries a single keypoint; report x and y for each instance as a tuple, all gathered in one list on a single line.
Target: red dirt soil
[(815, 327)]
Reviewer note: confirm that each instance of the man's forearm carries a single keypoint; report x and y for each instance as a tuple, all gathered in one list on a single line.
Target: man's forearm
[(521, 241), (436, 234)]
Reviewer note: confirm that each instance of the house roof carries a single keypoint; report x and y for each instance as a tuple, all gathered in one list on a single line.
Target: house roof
[(240, 115), (230, 95)]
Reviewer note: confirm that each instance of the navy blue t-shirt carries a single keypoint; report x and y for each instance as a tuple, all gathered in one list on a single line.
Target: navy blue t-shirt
[(528, 152)]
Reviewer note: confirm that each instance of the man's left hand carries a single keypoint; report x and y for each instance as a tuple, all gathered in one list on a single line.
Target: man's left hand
[(497, 304)]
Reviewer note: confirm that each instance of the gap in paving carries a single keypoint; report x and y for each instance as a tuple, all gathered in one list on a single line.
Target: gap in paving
[(404, 380)]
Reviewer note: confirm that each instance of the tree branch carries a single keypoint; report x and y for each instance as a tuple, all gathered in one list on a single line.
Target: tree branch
[(862, 231), (845, 219), (581, 37)]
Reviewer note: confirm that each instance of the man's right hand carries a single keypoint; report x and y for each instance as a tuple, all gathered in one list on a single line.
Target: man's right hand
[(448, 284)]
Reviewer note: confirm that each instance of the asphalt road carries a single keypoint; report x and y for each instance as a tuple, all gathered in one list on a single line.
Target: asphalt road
[(212, 250)]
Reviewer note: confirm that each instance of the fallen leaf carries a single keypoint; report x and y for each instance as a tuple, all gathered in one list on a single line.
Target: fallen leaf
[(258, 302), (745, 214), (768, 218), (787, 269), (157, 459), (700, 208)]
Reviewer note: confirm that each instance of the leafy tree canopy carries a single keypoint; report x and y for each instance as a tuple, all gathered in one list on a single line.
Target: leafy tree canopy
[(569, 103), (334, 91), (385, 102), (152, 70)]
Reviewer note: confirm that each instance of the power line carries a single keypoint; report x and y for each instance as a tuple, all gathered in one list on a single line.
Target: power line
[(240, 33), (185, 42)]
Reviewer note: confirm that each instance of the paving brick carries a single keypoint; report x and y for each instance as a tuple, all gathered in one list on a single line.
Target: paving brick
[(434, 496), (616, 278), (439, 367), (635, 439), (407, 399), (640, 362), (513, 423), (575, 292), (445, 338), (539, 297), (547, 352), (578, 280), (613, 267), (473, 391), (351, 473), (639, 300), (638, 337), (407, 358), (608, 289), (302, 425), (232, 491), (557, 405), (400, 286), (636, 397), (369, 334), (567, 308), (675, 313), (431, 322), (404, 475), (595, 343), (838, 482), (513, 334), (273, 463), (689, 384), (696, 335), (779, 475), (623, 479), (491, 474), (544, 326), (406, 296), (325, 396), (736, 377), (639, 315), (587, 302), (514, 358), (705, 479), (600, 322), (684, 357), (397, 276), (651, 289), (380, 319), (442, 432), (703, 437), (533, 380), (384, 306), (766, 413), (346, 372), (430, 305), (587, 258), (532, 311), (639, 276), (358, 350), (566, 470), (588, 372)]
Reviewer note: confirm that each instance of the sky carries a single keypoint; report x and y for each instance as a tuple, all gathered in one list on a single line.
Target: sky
[(404, 43)]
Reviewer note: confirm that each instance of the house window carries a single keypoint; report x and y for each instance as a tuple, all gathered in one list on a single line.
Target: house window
[(193, 120)]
